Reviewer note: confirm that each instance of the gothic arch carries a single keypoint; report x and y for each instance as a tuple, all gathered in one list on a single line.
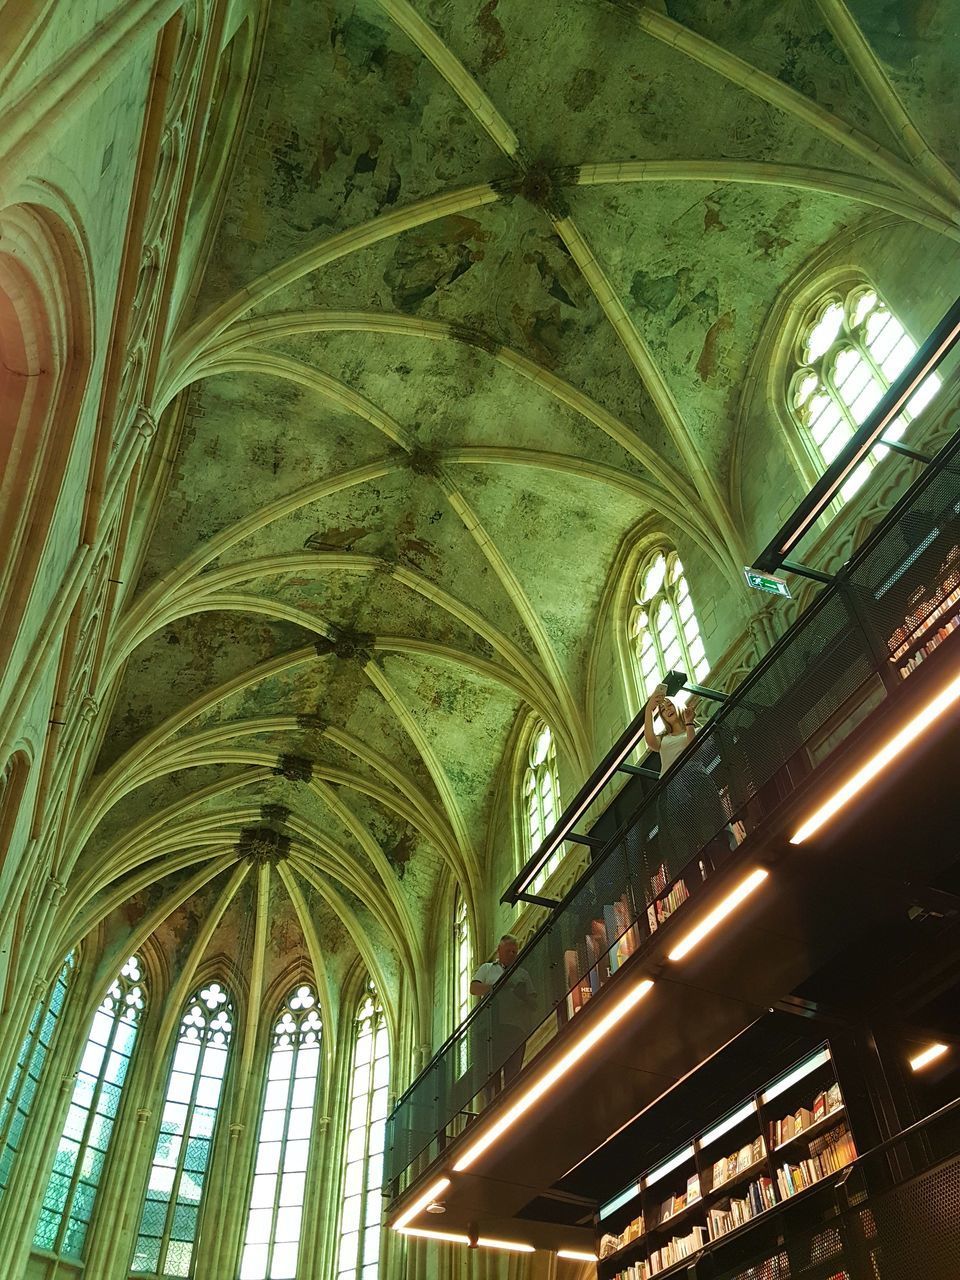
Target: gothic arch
[(44, 366)]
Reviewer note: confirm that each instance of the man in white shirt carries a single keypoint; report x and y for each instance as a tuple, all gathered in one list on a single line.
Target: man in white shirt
[(510, 1012)]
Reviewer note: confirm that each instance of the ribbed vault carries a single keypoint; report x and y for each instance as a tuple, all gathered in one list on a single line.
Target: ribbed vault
[(483, 299)]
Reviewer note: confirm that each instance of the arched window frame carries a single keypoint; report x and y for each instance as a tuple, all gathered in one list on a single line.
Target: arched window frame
[(540, 798), (27, 1072), (358, 1256), (191, 1109), (663, 629), (72, 1187), (849, 348), (274, 1217)]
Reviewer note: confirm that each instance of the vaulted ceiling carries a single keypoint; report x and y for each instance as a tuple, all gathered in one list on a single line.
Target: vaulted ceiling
[(485, 286)]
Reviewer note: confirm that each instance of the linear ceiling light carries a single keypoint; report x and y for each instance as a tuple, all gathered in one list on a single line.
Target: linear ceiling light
[(731, 1122), (574, 1256), (427, 1234), (668, 1166), (560, 1068), (916, 725), (619, 1201), (719, 912), (929, 1055), (421, 1203), (798, 1073)]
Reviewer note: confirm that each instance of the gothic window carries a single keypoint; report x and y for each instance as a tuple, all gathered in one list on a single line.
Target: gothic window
[(366, 1125), (272, 1242), (461, 961), (664, 631), (82, 1150), (168, 1225), (26, 1074), (541, 798), (850, 351)]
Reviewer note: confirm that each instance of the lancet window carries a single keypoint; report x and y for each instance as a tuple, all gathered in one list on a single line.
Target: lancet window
[(171, 1211), (82, 1150), (274, 1220), (359, 1253), (541, 798), (664, 630), (849, 352), (28, 1070)]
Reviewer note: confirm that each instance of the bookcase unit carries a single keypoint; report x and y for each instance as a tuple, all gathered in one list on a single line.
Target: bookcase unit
[(934, 615), (785, 1138)]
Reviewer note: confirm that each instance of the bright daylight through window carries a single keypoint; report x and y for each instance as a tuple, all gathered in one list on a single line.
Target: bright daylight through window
[(272, 1242), (82, 1149), (664, 629), (849, 353), (360, 1228), (541, 800), (168, 1225)]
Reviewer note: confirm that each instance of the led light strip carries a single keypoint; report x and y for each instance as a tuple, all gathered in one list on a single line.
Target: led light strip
[(725, 1126), (555, 1073), (719, 912), (929, 1055), (798, 1073), (420, 1203), (619, 1201), (483, 1242), (918, 724), (576, 1257), (668, 1166)]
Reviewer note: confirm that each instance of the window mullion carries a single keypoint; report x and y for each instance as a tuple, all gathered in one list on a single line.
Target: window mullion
[(362, 1235)]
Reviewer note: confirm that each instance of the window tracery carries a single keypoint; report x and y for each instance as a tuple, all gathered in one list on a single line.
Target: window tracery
[(82, 1150), (541, 799), (359, 1254), (168, 1224), (663, 627), (272, 1241), (28, 1070), (849, 352)]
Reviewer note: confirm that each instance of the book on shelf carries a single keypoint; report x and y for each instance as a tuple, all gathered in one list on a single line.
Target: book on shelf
[(693, 1188), (729, 1166), (790, 1126), (664, 903), (828, 1154), (728, 1214)]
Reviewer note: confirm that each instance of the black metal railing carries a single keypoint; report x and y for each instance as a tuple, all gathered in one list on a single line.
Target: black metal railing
[(842, 657)]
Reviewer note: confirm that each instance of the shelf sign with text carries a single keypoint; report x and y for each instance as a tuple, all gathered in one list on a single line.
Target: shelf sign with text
[(771, 582)]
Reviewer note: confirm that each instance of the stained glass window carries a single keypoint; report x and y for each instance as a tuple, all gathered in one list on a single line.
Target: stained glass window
[(664, 630), (272, 1242), (852, 348), (541, 799), (25, 1077), (168, 1225), (359, 1255), (82, 1150)]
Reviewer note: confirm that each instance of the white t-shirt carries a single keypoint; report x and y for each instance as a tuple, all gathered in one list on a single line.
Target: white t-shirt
[(514, 1004)]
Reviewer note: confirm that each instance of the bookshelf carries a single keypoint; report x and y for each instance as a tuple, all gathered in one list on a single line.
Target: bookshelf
[(934, 614), (784, 1139)]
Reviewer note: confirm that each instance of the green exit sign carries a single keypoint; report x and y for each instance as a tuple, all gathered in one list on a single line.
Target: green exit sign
[(766, 582)]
